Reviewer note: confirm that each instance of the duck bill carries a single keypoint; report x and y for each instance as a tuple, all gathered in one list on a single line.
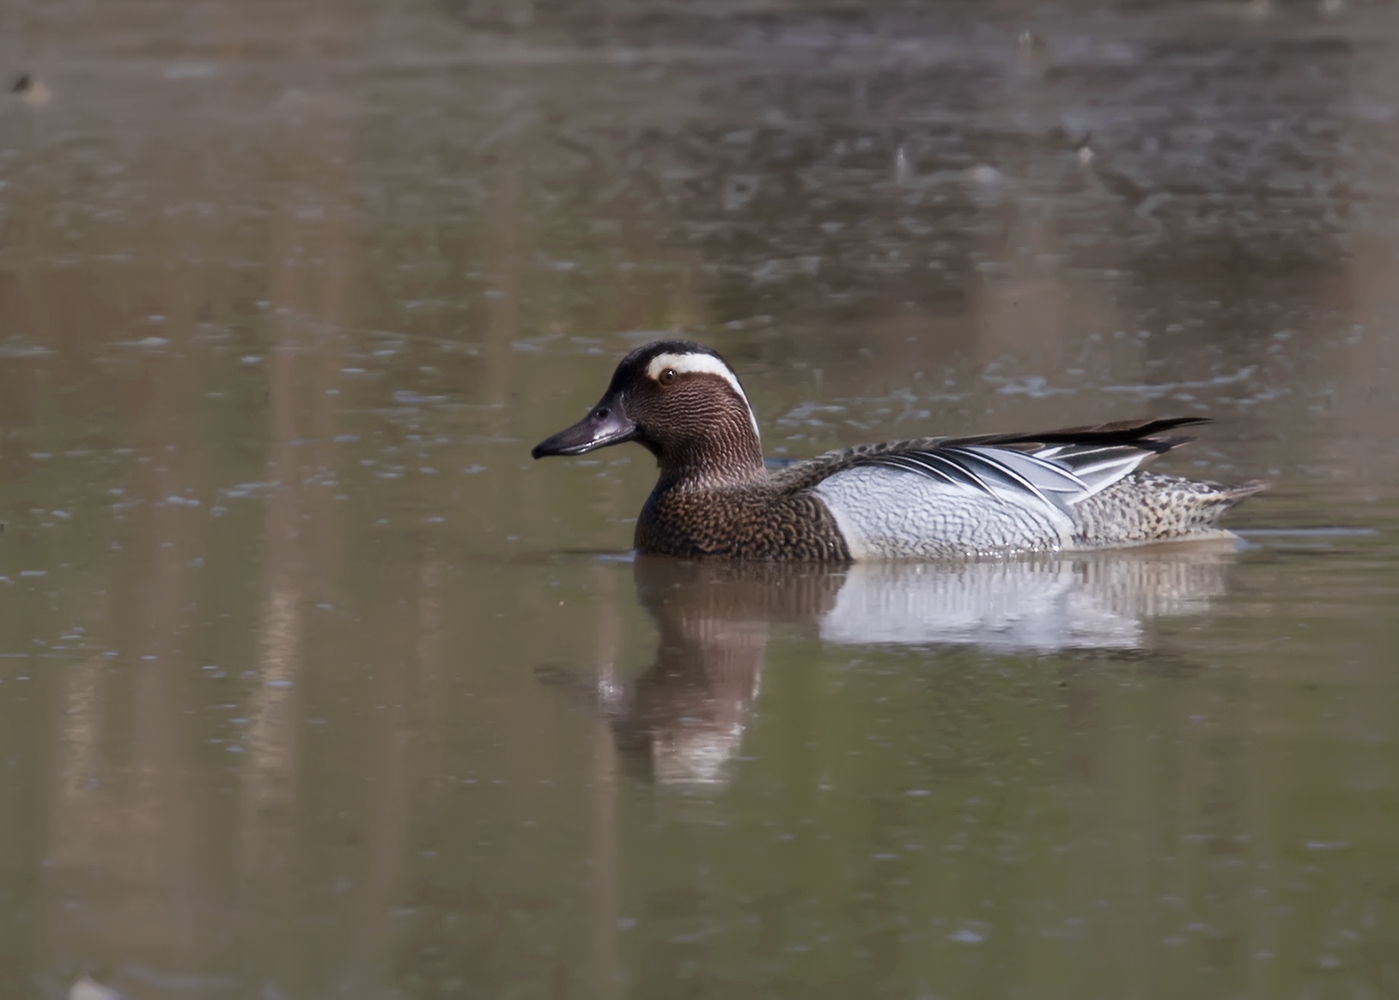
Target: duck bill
[(607, 424)]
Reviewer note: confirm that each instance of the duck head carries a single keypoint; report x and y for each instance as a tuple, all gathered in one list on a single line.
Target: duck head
[(683, 402)]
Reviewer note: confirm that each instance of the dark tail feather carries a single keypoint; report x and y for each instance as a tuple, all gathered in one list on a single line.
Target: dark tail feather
[(1138, 432)]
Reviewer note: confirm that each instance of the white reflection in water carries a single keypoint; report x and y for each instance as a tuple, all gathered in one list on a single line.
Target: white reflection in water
[(1097, 603)]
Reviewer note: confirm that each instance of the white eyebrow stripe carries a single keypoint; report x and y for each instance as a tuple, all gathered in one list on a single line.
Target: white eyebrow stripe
[(687, 364)]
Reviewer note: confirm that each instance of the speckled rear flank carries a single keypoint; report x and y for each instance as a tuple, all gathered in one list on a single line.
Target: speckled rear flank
[(1146, 508)]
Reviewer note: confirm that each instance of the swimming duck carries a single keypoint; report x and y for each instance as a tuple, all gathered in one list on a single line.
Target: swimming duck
[(929, 498)]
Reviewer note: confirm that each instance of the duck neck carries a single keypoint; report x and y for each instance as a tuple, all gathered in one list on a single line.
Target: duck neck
[(727, 457)]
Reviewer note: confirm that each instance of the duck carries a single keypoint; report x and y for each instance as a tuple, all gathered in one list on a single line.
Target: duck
[(930, 498)]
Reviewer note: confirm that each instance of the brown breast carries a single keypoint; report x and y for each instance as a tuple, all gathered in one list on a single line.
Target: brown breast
[(744, 523)]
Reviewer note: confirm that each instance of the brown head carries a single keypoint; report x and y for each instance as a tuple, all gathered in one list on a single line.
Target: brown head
[(684, 403)]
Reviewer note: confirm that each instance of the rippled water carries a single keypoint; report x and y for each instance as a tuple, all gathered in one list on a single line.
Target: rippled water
[(313, 684)]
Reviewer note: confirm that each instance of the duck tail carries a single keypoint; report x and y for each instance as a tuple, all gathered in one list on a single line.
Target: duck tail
[(1145, 507)]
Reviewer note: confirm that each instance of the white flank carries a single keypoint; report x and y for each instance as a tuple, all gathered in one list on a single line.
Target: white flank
[(708, 364), (885, 513)]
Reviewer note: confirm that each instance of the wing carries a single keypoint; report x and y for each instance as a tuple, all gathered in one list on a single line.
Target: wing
[(1061, 467)]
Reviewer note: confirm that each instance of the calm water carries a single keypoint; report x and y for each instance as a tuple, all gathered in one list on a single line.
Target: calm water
[(313, 685)]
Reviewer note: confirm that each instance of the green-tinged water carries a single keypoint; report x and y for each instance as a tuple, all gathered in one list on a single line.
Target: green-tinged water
[(313, 684)]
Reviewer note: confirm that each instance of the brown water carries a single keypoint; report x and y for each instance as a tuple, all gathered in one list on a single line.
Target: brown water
[(313, 685)]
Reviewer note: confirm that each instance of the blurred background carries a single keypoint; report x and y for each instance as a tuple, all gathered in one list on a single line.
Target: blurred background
[(312, 684)]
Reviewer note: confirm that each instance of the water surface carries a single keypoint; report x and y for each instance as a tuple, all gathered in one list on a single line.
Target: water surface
[(312, 684)]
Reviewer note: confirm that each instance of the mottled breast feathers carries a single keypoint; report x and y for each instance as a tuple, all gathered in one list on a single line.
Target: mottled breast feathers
[(763, 523)]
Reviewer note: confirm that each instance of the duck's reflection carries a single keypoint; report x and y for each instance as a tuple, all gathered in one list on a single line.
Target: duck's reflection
[(683, 718)]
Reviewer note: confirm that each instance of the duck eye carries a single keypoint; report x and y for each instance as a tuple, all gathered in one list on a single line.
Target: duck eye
[(668, 376)]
